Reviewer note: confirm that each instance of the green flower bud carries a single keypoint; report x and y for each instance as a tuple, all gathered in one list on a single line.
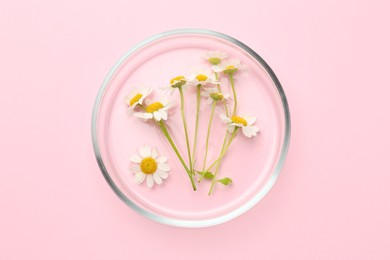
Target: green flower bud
[(230, 69), (216, 96)]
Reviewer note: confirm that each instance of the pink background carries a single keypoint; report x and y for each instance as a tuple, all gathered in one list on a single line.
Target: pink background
[(332, 198)]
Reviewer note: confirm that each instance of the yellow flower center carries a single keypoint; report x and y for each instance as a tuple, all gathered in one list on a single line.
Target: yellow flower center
[(154, 107), (239, 120), (178, 81), (201, 77), (135, 99), (178, 78), (214, 61), (148, 165)]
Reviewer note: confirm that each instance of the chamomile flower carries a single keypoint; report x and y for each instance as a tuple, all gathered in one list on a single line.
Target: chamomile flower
[(178, 81), (229, 66), (150, 166), (245, 123), (213, 94), (157, 110), (202, 78), (215, 57), (136, 97), (175, 83)]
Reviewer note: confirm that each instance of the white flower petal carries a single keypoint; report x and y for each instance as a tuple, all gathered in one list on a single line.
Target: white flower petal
[(222, 55), (162, 174), (157, 179), (166, 103), (135, 169), (147, 116), (255, 128), (209, 101), (163, 167), (143, 115), (139, 177), (235, 62), (130, 110), (205, 94), (153, 153), (217, 68), (161, 159), (149, 180), (247, 132), (145, 151), (164, 114), (209, 90), (146, 92), (141, 100), (139, 114), (250, 120), (225, 119), (250, 131), (157, 115), (230, 128), (135, 158), (192, 82), (215, 54)]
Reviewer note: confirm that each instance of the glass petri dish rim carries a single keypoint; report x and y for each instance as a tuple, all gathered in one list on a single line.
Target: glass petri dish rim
[(183, 222)]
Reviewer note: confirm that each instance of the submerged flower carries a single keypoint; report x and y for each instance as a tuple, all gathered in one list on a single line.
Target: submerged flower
[(245, 123), (156, 110), (149, 166), (201, 78), (215, 57), (136, 97), (229, 66), (213, 94)]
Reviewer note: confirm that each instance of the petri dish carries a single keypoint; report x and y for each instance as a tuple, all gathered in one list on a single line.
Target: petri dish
[(252, 163)]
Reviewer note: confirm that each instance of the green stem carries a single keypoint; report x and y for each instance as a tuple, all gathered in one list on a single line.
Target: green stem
[(213, 182), (234, 93), (219, 89), (183, 117), (164, 129), (207, 137), (196, 121), (223, 151)]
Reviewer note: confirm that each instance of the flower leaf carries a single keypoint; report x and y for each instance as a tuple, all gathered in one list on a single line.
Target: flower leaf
[(207, 175), (225, 181)]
